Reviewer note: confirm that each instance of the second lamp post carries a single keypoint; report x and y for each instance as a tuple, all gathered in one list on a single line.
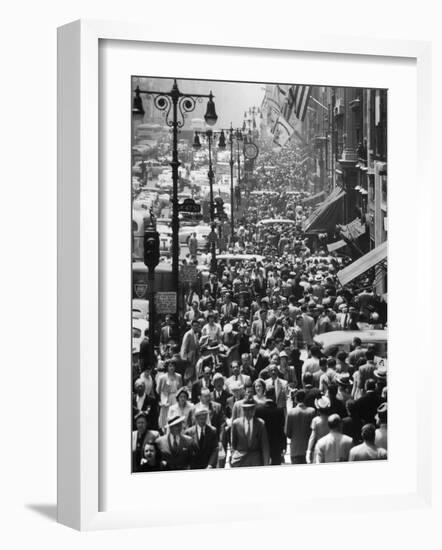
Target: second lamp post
[(211, 137)]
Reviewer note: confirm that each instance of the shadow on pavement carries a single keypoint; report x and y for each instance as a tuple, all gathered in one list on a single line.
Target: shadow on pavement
[(46, 510)]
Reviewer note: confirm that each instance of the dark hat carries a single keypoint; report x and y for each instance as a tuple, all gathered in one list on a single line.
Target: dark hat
[(182, 390), (343, 379)]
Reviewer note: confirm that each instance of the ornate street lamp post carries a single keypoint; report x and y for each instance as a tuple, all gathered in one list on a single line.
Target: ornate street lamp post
[(211, 136), (175, 105)]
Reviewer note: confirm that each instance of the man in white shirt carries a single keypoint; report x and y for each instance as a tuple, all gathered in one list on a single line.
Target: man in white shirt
[(335, 446), (237, 376)]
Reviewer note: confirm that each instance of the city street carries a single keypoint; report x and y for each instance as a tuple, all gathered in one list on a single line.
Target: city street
[(259, 276)]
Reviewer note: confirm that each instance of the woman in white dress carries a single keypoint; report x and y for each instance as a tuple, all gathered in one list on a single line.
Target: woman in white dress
[(168, 385), (182, 407)]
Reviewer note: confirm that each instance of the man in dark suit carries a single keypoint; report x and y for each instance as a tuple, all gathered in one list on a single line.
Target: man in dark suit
[(250, 445), (141, 402), (366, 406), (205, 441), (274, 331), (176, 449), (205, 382), (258, 360), (274, 420)]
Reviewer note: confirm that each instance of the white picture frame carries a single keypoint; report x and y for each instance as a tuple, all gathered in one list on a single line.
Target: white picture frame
[(79, 270)]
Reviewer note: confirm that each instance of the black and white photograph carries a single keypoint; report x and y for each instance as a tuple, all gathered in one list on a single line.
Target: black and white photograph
[(259, 274)]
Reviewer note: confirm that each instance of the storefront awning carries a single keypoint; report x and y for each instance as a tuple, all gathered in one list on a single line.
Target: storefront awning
[(336, 245), (314, 198), (363, 264), (328, 213)]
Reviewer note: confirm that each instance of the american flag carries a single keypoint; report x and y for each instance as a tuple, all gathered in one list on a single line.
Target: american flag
[(297, 102)]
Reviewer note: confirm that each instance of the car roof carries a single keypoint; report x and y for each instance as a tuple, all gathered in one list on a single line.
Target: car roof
[(337, 337), (246, 257)]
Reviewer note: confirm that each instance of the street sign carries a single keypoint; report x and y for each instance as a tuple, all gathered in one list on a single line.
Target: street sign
[(189, 205), (165, 302), (188, 273)]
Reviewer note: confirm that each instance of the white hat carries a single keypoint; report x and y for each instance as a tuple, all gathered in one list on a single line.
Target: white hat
[(228, 328), (200, 409)]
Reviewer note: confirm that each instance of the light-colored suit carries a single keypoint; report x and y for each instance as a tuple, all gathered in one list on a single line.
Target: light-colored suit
[(243, 379), (249, 451), (280, 387), (258, 330), (190, 347)]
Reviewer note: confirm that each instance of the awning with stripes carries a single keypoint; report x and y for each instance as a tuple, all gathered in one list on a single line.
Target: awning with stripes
[(314, 198), (328, 213), (360, 266)]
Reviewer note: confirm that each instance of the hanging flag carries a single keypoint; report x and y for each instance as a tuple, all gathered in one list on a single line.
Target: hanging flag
[(282, 132), (297, 99)]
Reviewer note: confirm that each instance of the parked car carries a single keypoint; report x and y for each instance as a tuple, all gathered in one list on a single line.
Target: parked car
[(139, 330), (340, 340), (140, 309), (202, 232)]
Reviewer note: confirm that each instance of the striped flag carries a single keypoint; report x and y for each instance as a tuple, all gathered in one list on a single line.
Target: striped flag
[(296, 103), (282, 132)]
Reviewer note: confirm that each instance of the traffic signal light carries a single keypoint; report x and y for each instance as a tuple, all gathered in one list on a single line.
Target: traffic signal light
[(151, 247), (219, 208)]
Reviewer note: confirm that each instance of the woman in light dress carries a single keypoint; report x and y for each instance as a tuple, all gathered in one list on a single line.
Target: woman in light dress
[(168, 385), (182, 407)]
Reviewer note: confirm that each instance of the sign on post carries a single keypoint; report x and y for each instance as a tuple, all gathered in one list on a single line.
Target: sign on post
[(189, 205), (188, 273), (165, 302)]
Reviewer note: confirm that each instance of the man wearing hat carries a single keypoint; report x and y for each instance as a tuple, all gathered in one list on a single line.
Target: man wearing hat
[(249, 442), (190, 350), (366, 406), (176, 449), (381, 435), (219, 393), (380, 375), (344, 383), (274, 419), (205, 441), (319, 425), (204, 382), (141, 402)]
